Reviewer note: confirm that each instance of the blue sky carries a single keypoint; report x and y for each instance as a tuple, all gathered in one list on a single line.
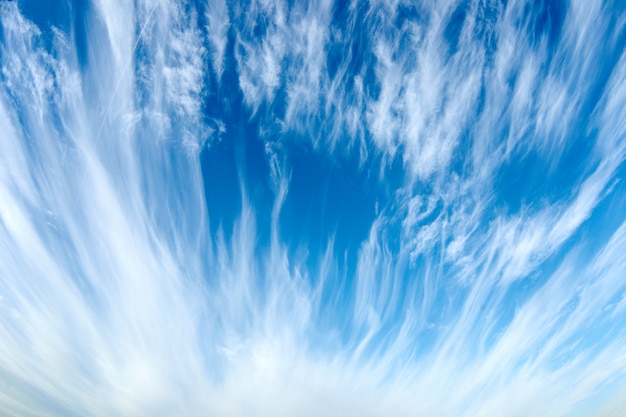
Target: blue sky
[(359, 208)]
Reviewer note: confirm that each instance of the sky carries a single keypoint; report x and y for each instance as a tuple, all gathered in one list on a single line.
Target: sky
[(326, 208)]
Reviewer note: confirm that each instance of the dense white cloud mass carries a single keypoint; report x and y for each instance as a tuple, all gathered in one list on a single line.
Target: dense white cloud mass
[(487, 140)]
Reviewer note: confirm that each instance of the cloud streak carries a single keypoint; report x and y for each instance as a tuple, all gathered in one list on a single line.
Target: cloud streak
[(482, 138)]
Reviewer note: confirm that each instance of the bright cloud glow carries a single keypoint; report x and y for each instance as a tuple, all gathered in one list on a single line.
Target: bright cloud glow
[(356, 208)]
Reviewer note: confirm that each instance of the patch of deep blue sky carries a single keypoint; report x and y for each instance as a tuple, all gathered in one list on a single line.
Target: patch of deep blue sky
[(336, 195)]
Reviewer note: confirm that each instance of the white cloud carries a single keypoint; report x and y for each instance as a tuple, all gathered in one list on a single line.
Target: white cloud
[(218, 23), (114, 300)]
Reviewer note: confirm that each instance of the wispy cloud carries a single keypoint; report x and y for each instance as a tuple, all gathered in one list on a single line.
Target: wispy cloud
[(490, 279)]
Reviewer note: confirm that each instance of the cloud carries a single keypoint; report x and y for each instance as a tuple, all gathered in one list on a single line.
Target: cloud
[(472, 293), (218, 23)]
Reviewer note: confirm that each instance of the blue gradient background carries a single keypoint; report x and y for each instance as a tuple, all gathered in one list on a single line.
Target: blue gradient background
[(359, 208)]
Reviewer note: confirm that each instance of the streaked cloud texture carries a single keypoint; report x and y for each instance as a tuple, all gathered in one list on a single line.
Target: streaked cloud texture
[(349, 208)]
